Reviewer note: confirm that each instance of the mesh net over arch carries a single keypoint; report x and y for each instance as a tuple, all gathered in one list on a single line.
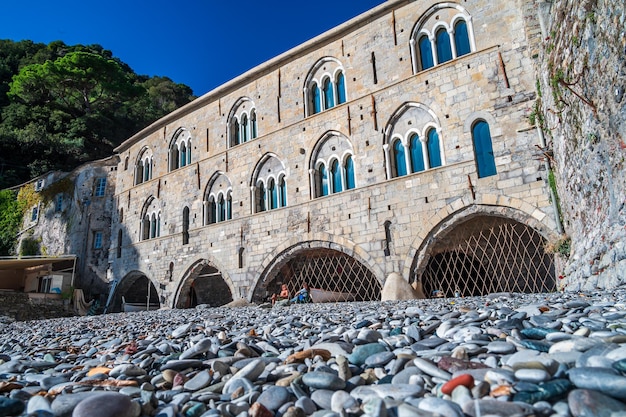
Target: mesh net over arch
[(332, 276), (488, 254)]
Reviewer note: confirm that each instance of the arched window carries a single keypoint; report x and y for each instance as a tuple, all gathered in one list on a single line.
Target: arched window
[(229, 205), (399, 158), (317, 99), (242, 122), (282, 191), (426, 52), (211, 209), (145, 232), (236, 132), (119, 243), (324, 86), (461, 38), (349, 173), (329, 100), (180, 149), (341, 88), (483, 149), (444, 50), (323, 176), (244, 128), (272, 194), (434, 151), (183, 155), (335, 173), (221, 208), (417, 153), (185, 225), (158, 225), (153, 226), (262, 196), (253, 125)]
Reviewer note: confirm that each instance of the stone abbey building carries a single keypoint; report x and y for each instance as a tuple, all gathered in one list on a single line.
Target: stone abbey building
[(398, 142)]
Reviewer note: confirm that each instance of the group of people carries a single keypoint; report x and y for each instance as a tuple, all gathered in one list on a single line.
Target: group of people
[(302, 296)]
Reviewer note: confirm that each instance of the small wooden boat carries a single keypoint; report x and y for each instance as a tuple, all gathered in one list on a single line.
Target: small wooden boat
[(323, 296), (133, 307)]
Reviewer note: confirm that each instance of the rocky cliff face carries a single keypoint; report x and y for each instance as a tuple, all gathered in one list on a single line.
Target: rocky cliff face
[(582, 111)]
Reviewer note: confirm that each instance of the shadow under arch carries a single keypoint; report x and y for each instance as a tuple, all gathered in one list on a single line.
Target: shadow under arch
[(484, 249), (203, 283), (333, 272), (136, 288)]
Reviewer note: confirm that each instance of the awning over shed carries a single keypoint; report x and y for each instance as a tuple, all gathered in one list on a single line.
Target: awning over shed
[(12, 263)]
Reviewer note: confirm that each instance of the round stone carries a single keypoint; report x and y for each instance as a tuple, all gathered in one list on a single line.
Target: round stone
[(109, 404), (323, 380), (274, 397)]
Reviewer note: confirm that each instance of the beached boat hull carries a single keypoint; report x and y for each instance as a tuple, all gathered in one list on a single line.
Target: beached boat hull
[(323, 296)]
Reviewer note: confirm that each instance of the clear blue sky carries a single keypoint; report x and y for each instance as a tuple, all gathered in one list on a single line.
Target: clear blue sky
[(201, 43)]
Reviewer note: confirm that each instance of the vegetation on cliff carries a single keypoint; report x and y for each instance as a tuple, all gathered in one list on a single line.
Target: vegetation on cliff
[(62, 105)]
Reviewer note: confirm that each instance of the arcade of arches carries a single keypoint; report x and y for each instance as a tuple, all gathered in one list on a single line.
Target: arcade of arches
[(479, 255)]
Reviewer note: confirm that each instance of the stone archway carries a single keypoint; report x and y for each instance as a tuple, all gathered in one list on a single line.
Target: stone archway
[(203, 284), (484, 254), (331, 274), (135, 289)]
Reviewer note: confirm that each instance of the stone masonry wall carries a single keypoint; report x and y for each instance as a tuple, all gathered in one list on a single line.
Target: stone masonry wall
[(493, 83), (583, 114)]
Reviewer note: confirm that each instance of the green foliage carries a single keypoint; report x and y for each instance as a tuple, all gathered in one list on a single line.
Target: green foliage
[(30, 246), (11, 214), (63, 105), (561, 246)]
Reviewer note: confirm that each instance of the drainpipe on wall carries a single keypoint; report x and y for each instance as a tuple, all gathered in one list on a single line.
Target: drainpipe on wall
[(546, 163)]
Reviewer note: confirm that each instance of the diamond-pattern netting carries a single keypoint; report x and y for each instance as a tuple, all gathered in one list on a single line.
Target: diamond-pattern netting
[(489, 254), (331, 275)]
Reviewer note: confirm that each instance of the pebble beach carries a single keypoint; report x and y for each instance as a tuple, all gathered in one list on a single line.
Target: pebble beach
[(505, 354)]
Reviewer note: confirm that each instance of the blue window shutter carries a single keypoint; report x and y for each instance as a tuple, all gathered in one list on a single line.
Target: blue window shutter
[(350, 183), (434, 150), (461, 38), (398, 153), (341, 88), (426, 53), (317, 99), (417, 154), (336, 174), (323, 180), (444, 50), (329, 100), (282, 184), (483, 149)]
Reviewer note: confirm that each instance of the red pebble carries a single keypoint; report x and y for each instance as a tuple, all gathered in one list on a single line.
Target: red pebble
[(465, 379)]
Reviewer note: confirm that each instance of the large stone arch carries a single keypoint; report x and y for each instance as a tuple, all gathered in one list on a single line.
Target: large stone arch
[(529, 228), (204, 282), (342, 258), (136, 289)]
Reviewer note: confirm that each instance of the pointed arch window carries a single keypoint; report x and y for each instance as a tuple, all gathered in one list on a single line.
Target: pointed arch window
[(183, 155), (349, 173), (272, 194), (145, 233), (399, 158), (153, 226), (461, 38), (434, 150), (341, 88), (236, 132), (483, 149), (211, 209), (426, 52), (444, 50)]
